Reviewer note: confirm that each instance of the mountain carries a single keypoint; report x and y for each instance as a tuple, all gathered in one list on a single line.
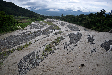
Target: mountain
[(11, 9), (59, 12)]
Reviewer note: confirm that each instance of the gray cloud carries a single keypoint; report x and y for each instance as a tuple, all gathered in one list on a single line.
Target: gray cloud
[(29, 3), (90, 5), (23, 0), (103, 0)]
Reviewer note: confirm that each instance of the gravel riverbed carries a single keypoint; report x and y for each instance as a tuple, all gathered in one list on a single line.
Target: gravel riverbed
[(81, 51)]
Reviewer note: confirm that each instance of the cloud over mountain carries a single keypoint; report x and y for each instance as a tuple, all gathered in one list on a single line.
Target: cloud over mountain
[(83, 5)]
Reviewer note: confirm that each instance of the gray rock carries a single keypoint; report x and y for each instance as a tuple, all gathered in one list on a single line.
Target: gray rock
[(106, 45), (73, 28), (28, 62), (90, 39), (94, 50), (74, 38)]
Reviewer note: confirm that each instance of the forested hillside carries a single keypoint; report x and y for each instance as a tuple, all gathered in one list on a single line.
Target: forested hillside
[(99, 21), (13, 16), (12, 9)]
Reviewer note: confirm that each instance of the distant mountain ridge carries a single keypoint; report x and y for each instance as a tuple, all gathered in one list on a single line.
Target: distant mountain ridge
[(58, 13), (11, 9)]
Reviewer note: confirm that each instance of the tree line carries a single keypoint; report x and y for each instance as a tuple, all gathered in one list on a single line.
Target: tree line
[(11, 9), (7, 22), (11, 23), (99, 21)]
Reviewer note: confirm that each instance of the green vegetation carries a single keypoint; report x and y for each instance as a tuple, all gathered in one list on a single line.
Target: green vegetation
[(12, 16), (23, 25), (49, 47), (5, 54), (60, 32), (26, 45), (99, 21), (49, 23), (56, 27), (12, 9), (8, 23), (43, 54), (57, 41), (30, 43), (20, 48), (1, 63)]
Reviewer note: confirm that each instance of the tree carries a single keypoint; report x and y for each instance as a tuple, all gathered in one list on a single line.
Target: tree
[(7, 22)]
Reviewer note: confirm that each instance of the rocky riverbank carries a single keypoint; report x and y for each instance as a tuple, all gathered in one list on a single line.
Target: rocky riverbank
[(56, 47)]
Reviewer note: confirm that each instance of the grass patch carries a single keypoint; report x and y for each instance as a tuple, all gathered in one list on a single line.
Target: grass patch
[(56, 27), (60, 32), (57, 41), (21, 23), (30, 43), (24, 46), (20, 48), (49, 23), (43, 54), (49, 47), (5, 54), (1, 63)]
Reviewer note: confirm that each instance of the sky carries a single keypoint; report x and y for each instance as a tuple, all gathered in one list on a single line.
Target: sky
[(55, 5)]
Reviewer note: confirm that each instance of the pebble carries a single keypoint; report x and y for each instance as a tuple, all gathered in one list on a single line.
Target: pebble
[(94, 50), (73, 28), (90, 39), (74, 38), (62, 23)]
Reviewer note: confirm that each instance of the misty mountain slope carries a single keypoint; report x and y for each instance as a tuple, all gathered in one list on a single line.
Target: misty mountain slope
[(58, 13), (58, 48), (11, 9)]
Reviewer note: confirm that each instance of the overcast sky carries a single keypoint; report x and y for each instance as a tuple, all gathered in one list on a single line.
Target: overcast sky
[(54, 5)]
